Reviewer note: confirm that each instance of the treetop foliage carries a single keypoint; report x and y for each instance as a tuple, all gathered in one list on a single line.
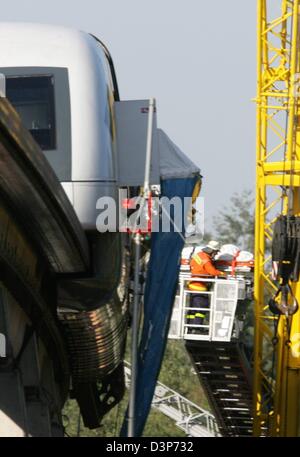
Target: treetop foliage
[(235, 224)]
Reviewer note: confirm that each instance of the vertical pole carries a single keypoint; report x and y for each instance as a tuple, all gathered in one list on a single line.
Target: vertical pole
[(136, 301), (149, 147), (135, 334)]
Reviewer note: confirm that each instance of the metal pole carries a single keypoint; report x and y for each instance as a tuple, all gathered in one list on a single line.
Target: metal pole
[(149, 147), (135, 334), (136, 300)]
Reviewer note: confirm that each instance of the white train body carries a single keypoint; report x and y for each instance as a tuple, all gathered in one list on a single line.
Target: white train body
[(59, 80)]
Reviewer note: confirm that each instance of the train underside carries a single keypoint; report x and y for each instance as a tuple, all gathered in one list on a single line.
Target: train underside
[(55, 341)]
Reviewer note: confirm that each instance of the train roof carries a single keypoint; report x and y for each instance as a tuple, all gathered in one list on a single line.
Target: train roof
[(41, 48), (43, 45)]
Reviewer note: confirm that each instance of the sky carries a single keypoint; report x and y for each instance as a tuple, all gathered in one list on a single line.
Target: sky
[(196, 57)]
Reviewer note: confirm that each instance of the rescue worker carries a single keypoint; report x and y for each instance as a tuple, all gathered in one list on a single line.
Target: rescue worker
[(202, 262), (202, 265)]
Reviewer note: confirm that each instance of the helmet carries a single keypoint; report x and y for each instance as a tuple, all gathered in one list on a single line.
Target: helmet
[(213, 245)]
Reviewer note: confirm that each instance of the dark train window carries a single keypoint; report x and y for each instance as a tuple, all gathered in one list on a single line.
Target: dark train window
[(33, 98)]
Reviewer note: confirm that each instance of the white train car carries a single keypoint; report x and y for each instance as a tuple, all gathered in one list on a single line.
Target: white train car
[(62, 83)]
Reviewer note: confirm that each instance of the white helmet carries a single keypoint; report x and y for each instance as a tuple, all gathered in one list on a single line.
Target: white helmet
[(213, 245)]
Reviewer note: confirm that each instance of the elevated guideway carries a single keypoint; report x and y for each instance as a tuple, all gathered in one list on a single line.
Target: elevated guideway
[(40, 237)]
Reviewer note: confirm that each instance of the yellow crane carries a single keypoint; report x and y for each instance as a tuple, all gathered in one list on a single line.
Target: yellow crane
[(277, 336)]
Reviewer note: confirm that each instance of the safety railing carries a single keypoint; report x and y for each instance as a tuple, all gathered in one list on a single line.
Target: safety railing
[(206, 315)]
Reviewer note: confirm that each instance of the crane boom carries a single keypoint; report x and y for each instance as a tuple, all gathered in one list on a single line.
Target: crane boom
[(277, 354)]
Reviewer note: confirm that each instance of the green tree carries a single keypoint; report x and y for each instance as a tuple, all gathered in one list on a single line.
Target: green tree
[(235, 224)]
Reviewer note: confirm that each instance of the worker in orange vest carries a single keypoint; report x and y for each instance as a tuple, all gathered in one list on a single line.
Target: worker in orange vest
[(202, 265)]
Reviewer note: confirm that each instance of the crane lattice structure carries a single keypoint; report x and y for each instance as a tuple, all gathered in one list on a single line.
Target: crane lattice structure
[(277, 354), (189, 417)]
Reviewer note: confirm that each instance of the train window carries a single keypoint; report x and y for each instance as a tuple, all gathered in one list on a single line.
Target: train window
[(33, 98)]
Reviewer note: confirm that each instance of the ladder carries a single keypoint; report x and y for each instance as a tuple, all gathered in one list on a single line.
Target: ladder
[(224, 375), (217, 355)]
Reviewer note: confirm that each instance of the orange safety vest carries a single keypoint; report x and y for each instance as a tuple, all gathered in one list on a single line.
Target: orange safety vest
[(201, 265)]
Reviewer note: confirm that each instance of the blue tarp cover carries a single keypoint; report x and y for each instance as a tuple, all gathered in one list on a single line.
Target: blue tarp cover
[(159, 296)]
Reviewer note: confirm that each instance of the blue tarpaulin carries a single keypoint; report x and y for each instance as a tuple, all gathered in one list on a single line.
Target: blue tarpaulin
[(159, 296)]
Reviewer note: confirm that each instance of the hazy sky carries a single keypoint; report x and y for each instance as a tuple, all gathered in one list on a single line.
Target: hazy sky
[(196, 57)]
